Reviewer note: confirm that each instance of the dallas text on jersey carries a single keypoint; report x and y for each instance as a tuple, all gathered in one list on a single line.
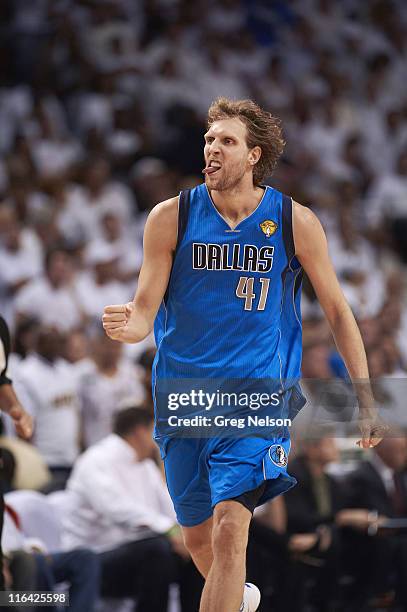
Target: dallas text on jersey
[(247, 258)]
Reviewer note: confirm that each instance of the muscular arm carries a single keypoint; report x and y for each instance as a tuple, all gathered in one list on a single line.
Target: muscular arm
[(134, 321), (312, 252)]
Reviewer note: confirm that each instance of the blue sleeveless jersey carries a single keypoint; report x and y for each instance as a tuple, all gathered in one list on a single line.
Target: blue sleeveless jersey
[(232, 306)]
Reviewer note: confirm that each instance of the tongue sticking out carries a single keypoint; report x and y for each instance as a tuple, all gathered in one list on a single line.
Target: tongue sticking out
[(209, 170)]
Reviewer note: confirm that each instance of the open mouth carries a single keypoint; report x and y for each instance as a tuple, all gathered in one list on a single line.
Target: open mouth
[(212, 168)]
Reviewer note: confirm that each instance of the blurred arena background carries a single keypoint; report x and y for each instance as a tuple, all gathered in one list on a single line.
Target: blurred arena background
[(102, 113)]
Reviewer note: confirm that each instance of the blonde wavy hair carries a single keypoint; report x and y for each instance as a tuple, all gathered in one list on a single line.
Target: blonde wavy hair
[(263, 130)]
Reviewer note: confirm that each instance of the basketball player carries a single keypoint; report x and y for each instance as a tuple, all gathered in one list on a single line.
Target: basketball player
[(221, 280), (10, 405)]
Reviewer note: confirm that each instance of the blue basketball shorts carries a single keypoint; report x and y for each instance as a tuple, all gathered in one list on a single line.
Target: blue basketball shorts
[(201, 472)]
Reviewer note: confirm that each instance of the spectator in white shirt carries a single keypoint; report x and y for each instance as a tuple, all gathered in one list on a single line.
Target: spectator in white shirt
[(48, 386), (100, 286), (77, 352), (100, 194), (354, 258), (113, 380), (387, 205), (53, 152), (120, 507), (121, 238), (33, 566), (20, 258), (52, 298)]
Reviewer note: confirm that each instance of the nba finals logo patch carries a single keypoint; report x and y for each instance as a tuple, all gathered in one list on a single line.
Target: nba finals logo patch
[(268, 228), (278, 455)]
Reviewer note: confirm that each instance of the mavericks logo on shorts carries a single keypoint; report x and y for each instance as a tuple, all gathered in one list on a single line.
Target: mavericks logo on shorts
[(278, 455)]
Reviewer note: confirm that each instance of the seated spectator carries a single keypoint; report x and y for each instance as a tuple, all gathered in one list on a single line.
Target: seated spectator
[(23, 342), (311, 510), (330, 400), (387, 210), (68, 216), (30, 566), (388, 381), (48, 387), (267, 553), (113, 380), (121, 508), (353, 257), (20, 258), (121, 239), (51, 298), (77, 352), (101, 194), (377, 491), (100, 286)]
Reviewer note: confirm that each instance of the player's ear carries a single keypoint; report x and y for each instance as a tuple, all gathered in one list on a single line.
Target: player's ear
[(254, 155)]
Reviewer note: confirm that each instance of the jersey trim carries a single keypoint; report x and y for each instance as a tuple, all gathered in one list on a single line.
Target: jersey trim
[(220, 216), (183, 215), (287, 219), (154, 393), (296, 287), (289, 271)]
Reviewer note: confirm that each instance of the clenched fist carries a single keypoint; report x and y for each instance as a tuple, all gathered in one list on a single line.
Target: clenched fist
[(121, 323)]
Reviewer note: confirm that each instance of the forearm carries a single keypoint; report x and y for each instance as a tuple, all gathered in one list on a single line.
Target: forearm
[(312, 251), (143, 316), (8, 398), (132, 322), (350, 345)]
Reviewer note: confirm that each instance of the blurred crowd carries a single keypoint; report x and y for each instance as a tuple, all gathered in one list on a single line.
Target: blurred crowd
[(102, 113)]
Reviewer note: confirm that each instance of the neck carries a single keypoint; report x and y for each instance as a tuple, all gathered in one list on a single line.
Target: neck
[(95, 190), (109, 370), (133, 444), (55, 284), (237, 202)]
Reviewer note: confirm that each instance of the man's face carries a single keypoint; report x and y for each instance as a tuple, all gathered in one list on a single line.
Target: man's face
[(97, 174), (144, 442), (9, 230), (111, 226), (49, 343), (226, 149), (106, 271), (106, 352), (323, 451), (328, 450), (60, 269)]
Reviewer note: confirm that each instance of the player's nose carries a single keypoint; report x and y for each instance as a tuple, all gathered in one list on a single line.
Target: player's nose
[(214, 147)]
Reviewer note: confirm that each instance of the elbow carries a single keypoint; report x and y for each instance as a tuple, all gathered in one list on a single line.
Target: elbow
[(338, 314)]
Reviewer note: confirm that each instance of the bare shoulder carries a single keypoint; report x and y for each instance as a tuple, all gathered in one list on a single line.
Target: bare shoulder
[(162, 223), (307, 229), (165, 211), (304, 218)]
